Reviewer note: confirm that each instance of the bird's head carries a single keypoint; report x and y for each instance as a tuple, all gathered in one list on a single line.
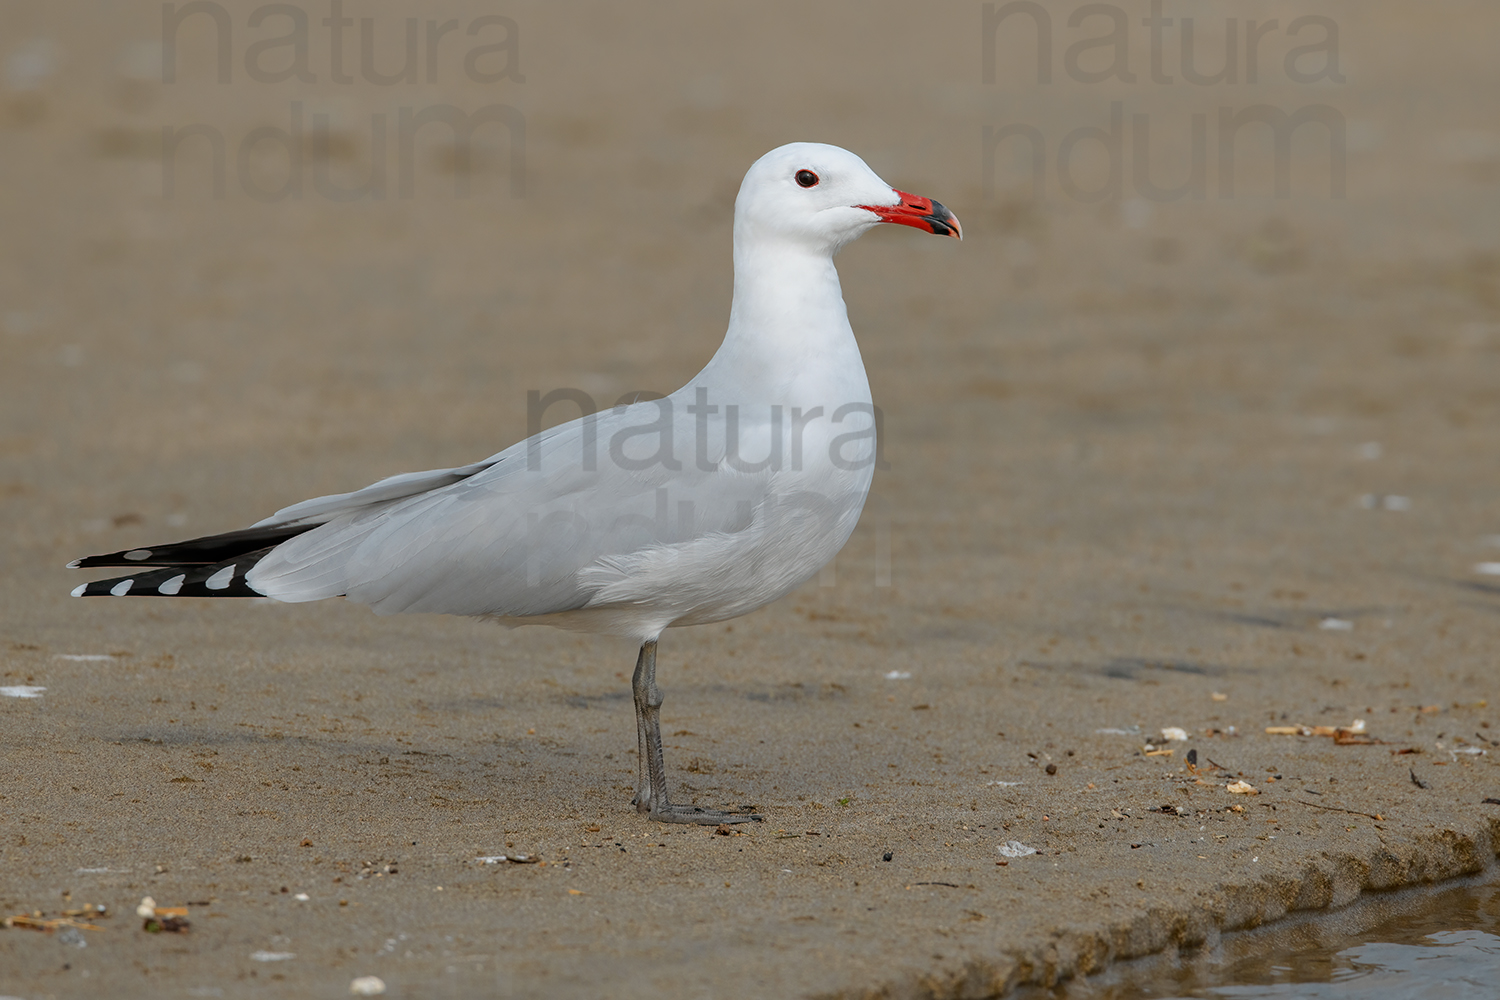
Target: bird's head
[(823, 197)]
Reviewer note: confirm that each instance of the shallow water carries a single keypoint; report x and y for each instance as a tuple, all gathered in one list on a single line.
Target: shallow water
[(1443, 945)]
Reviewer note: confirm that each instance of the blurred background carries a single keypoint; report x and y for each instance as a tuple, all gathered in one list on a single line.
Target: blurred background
[(1198, 426), (1221, 345)]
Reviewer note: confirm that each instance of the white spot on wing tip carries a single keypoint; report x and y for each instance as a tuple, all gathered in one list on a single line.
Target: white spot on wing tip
[(172, 586), (122, 588), (220, 580), (137, 555), (78, 590)]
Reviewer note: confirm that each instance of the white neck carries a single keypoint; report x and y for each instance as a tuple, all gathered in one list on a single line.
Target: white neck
[(789, 337)]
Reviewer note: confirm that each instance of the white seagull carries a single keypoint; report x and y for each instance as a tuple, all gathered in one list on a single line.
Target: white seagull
[(693, 508)]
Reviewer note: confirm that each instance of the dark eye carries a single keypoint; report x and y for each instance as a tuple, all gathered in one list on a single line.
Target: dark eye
[(807, 178)]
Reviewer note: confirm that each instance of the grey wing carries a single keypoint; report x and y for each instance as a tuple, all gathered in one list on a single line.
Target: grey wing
[(322, 509), (511, 538)]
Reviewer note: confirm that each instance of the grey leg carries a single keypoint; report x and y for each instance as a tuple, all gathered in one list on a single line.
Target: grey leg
[(651, 790)]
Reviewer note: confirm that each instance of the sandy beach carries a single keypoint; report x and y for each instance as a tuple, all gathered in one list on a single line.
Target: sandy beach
[(1221, 464)]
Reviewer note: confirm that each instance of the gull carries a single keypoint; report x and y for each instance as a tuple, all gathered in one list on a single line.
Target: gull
[(688, 509)]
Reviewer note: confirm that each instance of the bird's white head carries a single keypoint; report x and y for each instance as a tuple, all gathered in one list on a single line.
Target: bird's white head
[(822, 197)]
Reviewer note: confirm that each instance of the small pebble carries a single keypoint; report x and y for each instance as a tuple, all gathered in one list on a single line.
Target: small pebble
[(21, 691), (367, 986), (1051, 768), (1015, 849)]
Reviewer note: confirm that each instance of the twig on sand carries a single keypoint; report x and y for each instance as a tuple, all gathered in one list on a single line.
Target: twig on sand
[(1352, 812)]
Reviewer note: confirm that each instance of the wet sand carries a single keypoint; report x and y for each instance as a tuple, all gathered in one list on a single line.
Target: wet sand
[(1220, 464)]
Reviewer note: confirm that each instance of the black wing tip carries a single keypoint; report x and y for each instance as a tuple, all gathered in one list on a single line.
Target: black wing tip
[(125, 557), (222, 580), (210, 550)]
